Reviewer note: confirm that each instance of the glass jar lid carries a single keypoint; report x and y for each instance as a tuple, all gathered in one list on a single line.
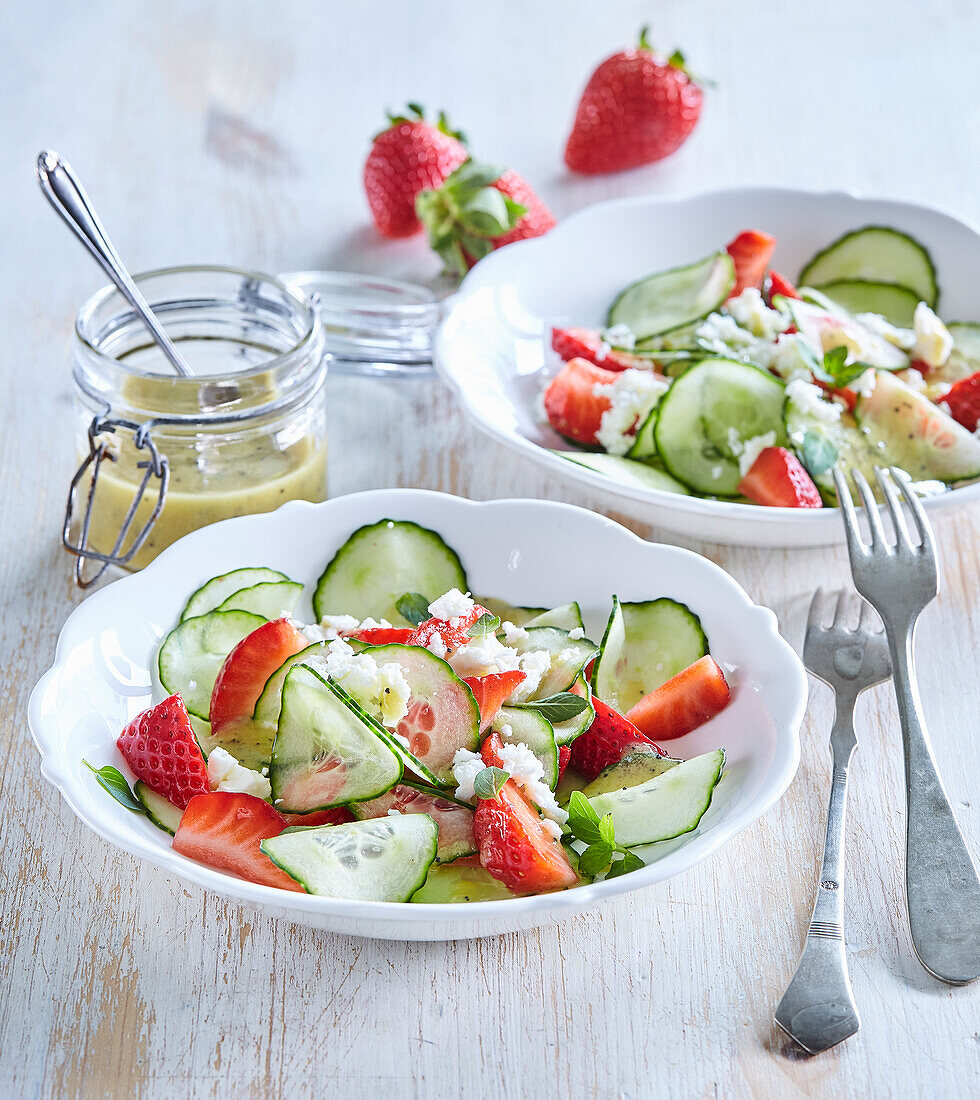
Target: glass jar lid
[(372, 325)]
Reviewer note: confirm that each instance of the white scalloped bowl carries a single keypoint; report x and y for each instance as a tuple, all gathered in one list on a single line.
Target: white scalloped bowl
[(525, 551), (494, 345)]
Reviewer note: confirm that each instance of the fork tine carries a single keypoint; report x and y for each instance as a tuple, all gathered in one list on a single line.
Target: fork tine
[(866, 620), (816, 607), (856, 548), (870, 509), (911, 498), (902, 536), (840, 608)]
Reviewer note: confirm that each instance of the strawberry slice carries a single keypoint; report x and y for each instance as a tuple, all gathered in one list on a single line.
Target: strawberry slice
[(573, 407), (605, 741), (683, 703), (453, 632), (515, 847), (223, 829), (780, 285), (777, 479), (248, 667), (336, 815), (492, 691), (964, 401), (751, 252), (848, 396), (160, 748), (384, 635), (586, 343), (564, 755)]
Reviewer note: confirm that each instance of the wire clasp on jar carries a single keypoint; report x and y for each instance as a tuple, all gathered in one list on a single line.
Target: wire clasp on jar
[(154, 466)]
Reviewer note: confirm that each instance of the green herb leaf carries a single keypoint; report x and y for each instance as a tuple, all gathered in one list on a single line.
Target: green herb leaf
[(629, 862), (583, 821), (558, 708), (835, 370), (819, 454), (413, 607), (484, 625), (607, 830), (489, 783), (112, 780), (595, 858)]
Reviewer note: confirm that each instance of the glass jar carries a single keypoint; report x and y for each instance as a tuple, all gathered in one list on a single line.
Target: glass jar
[(244, 434)]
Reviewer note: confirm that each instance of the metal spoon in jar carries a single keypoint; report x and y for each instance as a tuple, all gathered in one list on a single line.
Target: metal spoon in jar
[(63, 190)]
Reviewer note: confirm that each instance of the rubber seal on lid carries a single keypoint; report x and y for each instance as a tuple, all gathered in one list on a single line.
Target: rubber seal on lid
[(372, 325)]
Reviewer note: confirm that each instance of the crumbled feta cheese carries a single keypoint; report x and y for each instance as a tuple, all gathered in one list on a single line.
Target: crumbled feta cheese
[(383, 691), (721, 333), (527, 771), (576, 633), (453, 605), (864, 384), (913, 379), (512, 633), (631, 397), (752, 448), (374, 624), (602, 351), (552, 827), (437, 646), (535, 664), (226, 774), (394, 813), (901, 337), (787, 356), (752, 313), (933, 343), (483, 656), (620, 336), (332, 626), (809, 399), (466, 767)]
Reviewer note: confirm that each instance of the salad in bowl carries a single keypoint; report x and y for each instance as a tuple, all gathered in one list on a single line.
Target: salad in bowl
[(723, 379), (415, 743)]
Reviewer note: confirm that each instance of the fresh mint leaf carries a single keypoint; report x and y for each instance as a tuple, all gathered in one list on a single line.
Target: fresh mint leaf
[(624, 866), (607, 830), (834, 369), (583, 821), (490, 782), (112, 780), (595, 858), (484, 625), (413, 607), (819, 454), (558, 708)]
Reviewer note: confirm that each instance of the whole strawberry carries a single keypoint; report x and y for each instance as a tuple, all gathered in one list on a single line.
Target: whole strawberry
[(478, 209), (637, 107), (408, 157)]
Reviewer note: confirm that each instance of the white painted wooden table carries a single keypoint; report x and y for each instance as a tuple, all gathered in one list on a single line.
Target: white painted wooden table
[(236, 133)]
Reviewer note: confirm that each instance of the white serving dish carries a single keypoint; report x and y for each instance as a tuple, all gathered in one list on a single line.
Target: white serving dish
[(494, 346), (525, 551)]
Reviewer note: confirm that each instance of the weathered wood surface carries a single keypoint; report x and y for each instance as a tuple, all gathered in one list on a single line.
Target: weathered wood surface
[(235, 133)]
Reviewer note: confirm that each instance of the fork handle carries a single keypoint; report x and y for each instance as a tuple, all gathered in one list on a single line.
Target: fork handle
[(818, 1008), (942, 888)]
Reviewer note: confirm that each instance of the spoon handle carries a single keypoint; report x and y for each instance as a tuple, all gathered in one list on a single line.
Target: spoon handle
[(63, 190)]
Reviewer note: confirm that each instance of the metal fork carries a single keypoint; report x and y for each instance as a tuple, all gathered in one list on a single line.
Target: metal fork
[(817, 1009), (941, 885)]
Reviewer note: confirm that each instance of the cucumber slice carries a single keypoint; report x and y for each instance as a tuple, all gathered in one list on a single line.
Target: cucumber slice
[(665, 806), (165, 815), (443, 715), (879, 254), (636, 767), (567, 731), (450, 884), (508, 613), (379, 563), (825, 328), (381, 860), (627, 470), (644, 645), (270, 599), (904, 428), (568, 657), (645, 445), (194, 651), (895, 303), (701, 410), (845, 440), (454, 819), (966, 340), (566, 617), (269, 703), (212, 594), (531, 728), (326, 752), (673, 299)]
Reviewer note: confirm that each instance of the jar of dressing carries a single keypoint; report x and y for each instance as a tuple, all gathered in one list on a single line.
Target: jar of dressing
[(163, 455), (244, 434)]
